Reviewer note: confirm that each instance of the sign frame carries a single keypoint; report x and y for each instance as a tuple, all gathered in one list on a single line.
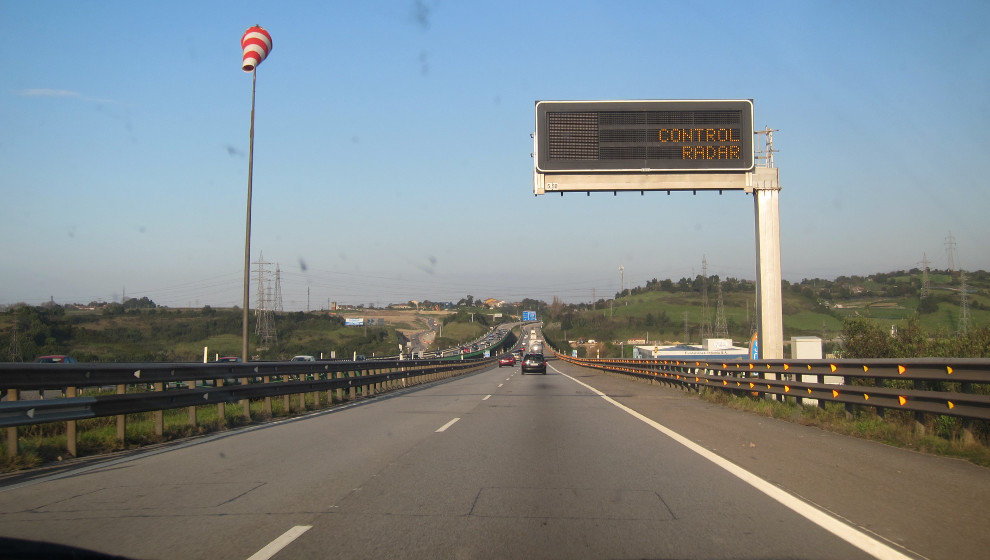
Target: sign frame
[(609, 177)]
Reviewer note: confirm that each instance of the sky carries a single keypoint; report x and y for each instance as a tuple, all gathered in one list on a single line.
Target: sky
[(392, 145)]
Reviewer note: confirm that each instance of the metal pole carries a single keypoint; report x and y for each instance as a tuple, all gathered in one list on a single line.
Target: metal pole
[(247, 232)]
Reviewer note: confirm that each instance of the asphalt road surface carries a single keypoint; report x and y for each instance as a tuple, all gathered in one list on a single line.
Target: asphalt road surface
[(501, 465)]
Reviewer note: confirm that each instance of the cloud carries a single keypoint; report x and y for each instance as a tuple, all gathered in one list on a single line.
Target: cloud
[(60, 93), (42, 92)]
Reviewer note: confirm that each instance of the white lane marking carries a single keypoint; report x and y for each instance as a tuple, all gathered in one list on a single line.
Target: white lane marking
[(272, 548), (500, 384), (845, 532), (486, 397), (506, 378), (447, 425)]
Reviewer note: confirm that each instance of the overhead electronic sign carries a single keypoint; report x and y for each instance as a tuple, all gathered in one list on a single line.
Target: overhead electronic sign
[(644, 136), (529, 316)]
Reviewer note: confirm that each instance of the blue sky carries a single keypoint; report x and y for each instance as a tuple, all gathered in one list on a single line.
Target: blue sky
[(392, 145)]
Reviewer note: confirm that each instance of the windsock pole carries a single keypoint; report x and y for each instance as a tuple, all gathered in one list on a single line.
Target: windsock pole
[(256, 43)]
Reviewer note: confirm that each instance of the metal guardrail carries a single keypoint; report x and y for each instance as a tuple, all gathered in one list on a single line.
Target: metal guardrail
[(162, 386), (953, 387)]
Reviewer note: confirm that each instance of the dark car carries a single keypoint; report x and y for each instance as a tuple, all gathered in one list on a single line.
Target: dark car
[(509, 360), (228, 359), (58, 359), (534, 363)]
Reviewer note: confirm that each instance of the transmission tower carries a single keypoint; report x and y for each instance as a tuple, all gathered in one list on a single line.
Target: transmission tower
[(721, 327), (622, 280), (278, 289), (15, 345), (963, 304), (950, 253), (926, 284), (265, 322), (705, 326)]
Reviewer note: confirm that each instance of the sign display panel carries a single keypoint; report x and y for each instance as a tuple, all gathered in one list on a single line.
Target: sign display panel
[(354, 321), (644, 136), (529, 316)]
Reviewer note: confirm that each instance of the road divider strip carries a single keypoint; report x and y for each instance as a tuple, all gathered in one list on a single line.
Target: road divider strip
[(273, 548), (447, 425), (850, 534)]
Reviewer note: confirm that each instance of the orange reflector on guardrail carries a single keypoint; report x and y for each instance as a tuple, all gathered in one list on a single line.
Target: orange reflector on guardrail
[(902, 399), (787, 389), (865, 396), (901, 370), (833, 367), (724, 382), (948, 370), (835, 394), (951, 406), (786, 367), (866, 368)]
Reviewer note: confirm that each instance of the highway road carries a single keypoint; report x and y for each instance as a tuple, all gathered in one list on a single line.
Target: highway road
[(572, 464)]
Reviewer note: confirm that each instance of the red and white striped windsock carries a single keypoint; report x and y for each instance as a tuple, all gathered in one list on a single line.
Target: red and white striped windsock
[(257, 43)]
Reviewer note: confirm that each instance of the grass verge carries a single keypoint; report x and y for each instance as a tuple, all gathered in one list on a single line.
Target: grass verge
[(46, 443), (942, 435)]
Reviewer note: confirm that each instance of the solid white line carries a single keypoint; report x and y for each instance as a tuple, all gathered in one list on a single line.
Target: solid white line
[(272, 548), (447, 425), (486, 397), (845, 532)]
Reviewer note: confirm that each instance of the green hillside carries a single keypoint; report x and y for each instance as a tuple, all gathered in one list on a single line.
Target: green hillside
[(660, 310)]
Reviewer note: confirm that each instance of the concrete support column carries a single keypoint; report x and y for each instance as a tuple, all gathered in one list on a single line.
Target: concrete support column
[(766, 195)]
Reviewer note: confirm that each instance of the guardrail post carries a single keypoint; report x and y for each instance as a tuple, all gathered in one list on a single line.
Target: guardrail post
[(121, 418), (919, 417), (245, 403), (340, 391), (70, 426), (302, 399), (12, 395), (268, 400), (159, 415), (352, 391), (192, 409), (221, 410), (967, 425)]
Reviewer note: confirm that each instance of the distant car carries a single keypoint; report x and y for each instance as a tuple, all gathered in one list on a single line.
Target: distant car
[(509, 360), (303, 359), (359, 358), (56, 359), (228, 359), (534, 363)]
